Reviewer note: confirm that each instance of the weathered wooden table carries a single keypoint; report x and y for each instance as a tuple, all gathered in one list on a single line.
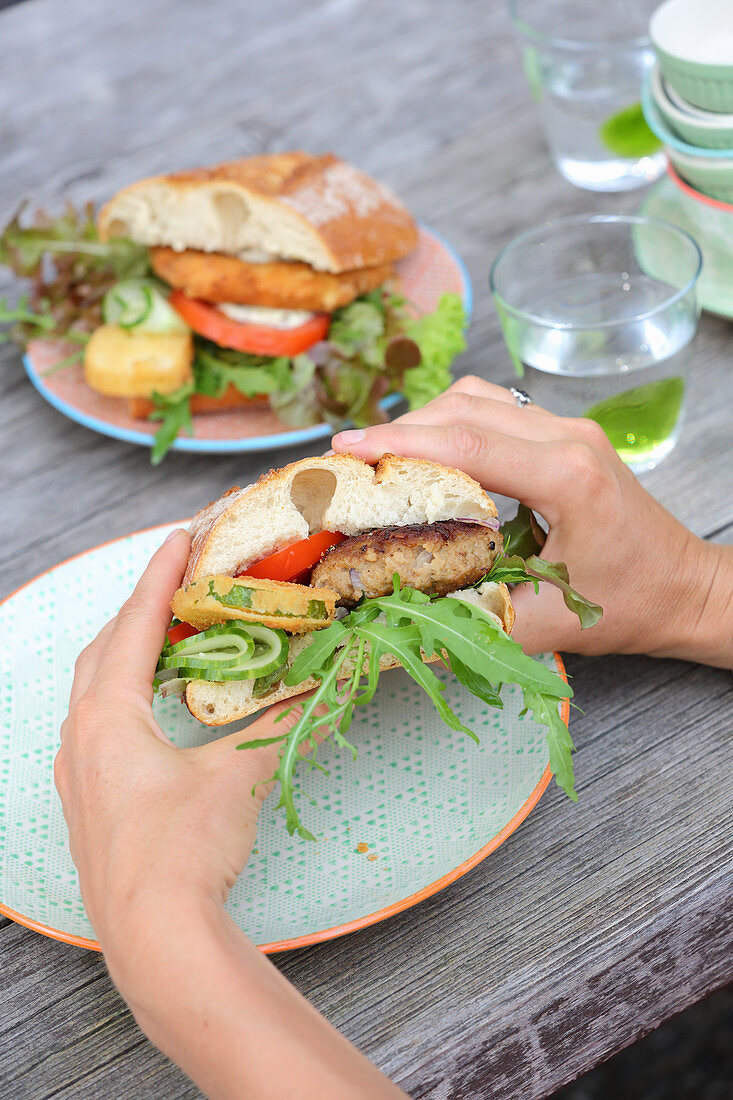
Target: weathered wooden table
[(595, 921)]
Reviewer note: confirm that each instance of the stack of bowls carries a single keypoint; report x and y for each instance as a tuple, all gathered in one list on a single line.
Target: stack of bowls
[(688, 98)]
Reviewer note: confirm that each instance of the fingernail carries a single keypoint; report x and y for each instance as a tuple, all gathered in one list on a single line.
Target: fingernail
[(174, 534), (348, 438)]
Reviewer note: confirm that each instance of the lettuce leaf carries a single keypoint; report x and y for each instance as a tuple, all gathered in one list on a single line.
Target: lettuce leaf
[(440, 338), (524, 533), (70, 270)]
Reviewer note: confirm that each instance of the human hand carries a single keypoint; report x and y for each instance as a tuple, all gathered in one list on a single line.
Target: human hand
[(151, 826), (159, 835), (653, 578)]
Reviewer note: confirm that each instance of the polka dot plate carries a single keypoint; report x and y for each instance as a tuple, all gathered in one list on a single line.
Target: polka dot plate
[(419, 807), (431, 270)]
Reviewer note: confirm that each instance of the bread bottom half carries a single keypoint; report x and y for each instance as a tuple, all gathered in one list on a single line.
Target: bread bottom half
[(216, 704)]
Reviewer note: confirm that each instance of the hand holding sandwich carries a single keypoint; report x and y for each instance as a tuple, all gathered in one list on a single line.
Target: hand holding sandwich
[(664, 592), (159, 835)]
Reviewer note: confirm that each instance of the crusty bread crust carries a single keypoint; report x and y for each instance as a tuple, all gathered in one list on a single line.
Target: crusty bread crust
[(333, 493), (217, 704), (280, 285), (293, 206)]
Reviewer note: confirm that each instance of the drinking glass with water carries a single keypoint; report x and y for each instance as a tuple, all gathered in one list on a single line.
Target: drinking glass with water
[(585, 62), (598, 314)]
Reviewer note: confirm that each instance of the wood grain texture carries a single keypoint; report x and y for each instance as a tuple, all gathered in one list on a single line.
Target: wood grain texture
[(595, 921)]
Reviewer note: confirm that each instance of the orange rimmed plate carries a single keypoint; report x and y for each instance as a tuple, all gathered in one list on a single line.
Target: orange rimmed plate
[(419, 807)]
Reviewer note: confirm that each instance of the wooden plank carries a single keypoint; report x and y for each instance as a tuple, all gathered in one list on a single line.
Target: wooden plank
[(595, 921)]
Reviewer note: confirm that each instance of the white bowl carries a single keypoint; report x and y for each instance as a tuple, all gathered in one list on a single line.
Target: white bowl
[(681, 104), (693, 41)]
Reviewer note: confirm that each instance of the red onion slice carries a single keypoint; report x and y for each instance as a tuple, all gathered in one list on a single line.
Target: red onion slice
[(492, 523)]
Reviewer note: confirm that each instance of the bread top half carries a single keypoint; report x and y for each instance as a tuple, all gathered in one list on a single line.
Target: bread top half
[(280, 206), (333, 493)]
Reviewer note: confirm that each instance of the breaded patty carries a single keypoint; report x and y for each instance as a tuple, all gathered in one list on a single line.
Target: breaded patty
[(436, 558), (293, 607), (279, 285)]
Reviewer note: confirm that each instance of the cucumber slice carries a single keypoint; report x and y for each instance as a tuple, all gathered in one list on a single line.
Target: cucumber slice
[(263, 685), (140, 304), (127, 304), (210, 650), (271, 651), (224, 632)]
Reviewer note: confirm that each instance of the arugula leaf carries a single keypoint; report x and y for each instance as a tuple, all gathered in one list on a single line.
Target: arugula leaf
[(511, 569), (174, 412), (317, 653), (408, 625), (22, 313), (556, 572), (526, 537), (477, 685), (560, 743), (302, 734), (517, 570), (216, 368), (524, 533)]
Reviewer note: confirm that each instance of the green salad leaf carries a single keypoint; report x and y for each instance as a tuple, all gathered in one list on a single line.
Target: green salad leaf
[(71, 270), (524, 535), (173, 410), (523, 532), (345, 658), (215, 369), (440, 336), (556, 573)]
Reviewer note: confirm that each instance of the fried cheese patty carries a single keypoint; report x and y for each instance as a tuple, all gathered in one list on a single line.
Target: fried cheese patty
[(216, 599), (436, 558), (277, 285)]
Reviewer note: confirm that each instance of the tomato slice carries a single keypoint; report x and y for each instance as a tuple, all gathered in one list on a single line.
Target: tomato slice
[(180, 631), (295, 561), (210, 322)]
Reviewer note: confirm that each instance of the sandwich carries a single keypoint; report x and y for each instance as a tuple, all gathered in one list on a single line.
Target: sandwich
[(328, 572), (268, 280)]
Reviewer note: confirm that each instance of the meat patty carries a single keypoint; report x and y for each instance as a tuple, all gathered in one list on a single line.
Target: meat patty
[(436, 558)]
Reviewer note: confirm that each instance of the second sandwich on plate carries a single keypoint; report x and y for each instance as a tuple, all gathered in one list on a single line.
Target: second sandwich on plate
[(274, 283)]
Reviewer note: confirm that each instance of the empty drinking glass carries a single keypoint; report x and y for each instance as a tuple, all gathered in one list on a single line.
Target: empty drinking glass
[(585, 63), (598, 313)]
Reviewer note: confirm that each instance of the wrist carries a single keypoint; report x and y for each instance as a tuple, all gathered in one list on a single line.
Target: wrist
[(712, 635), (703, 623), (159, 934)]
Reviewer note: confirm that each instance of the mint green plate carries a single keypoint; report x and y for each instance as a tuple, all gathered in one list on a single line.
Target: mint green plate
[(707, 222), (429, 803)]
